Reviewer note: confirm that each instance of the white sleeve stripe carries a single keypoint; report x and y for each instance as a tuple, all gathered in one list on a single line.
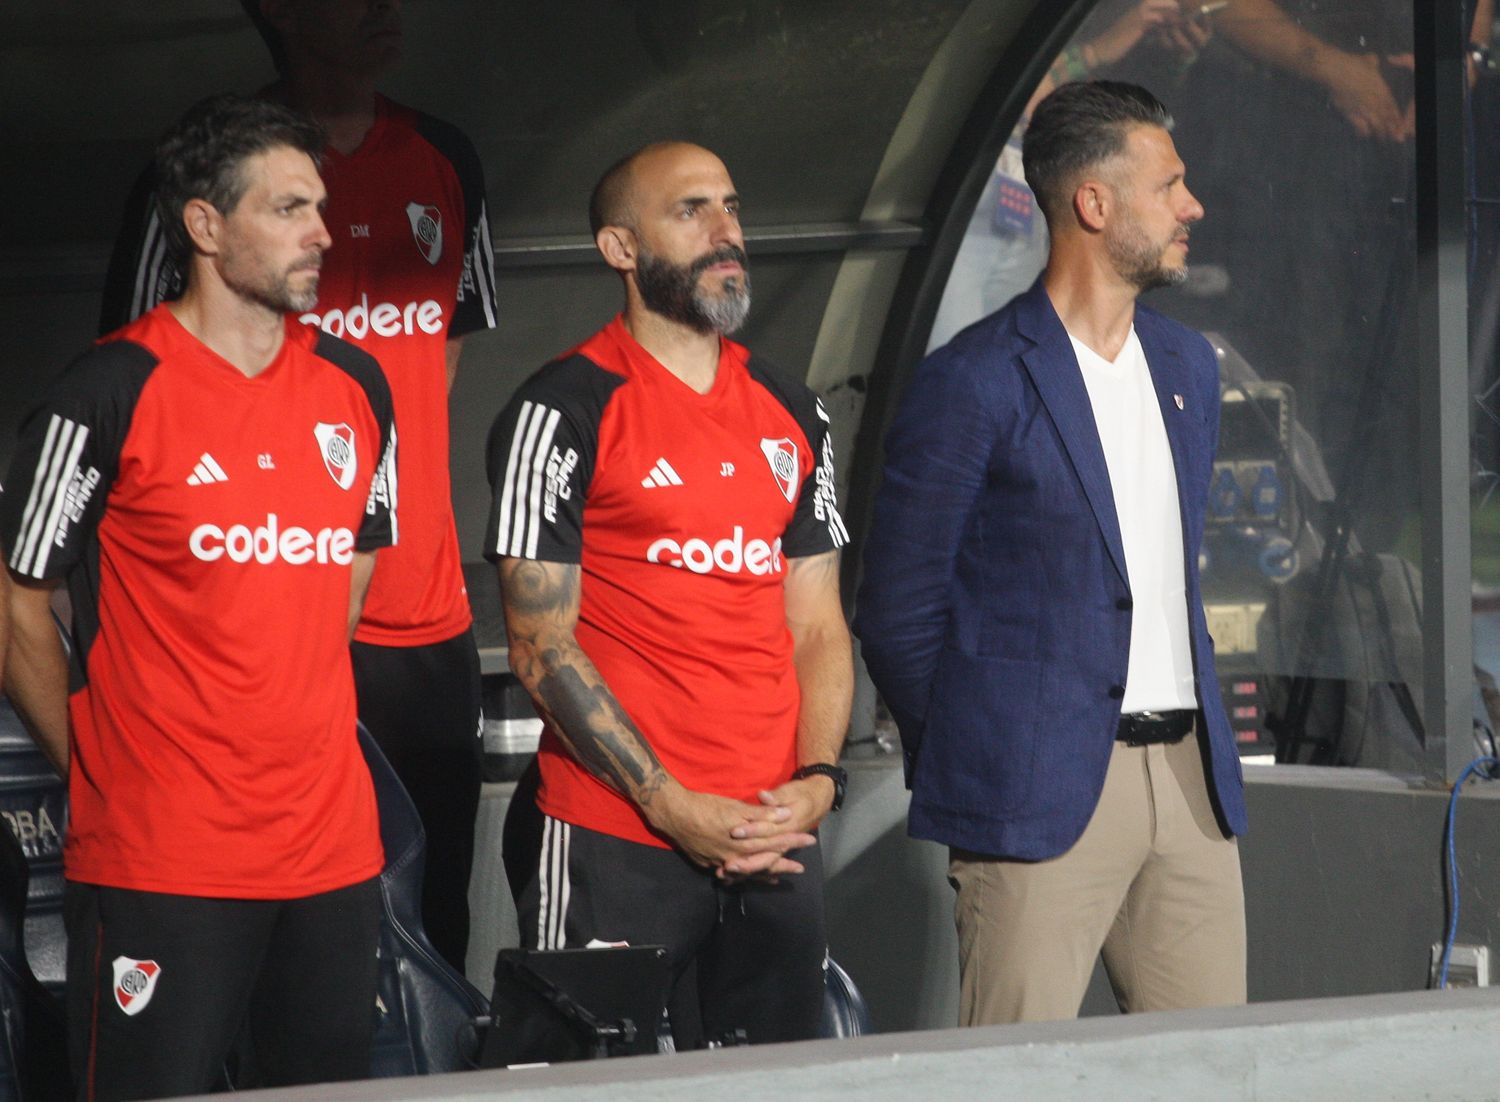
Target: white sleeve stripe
[(836, 530), (484, 267), (538, 467), (507, 494), (520, 500), (25, 540), (39, 523), (388, 470)]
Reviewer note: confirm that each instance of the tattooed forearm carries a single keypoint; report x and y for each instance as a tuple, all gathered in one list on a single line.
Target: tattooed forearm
[(598, 731), (541, 612)]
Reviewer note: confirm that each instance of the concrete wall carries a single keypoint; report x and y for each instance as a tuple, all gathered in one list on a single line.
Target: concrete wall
[(1343, 881)]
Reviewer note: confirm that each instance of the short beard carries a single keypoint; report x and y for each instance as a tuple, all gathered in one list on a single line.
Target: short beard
[(1138, 261), (672, 291), (274, 292)]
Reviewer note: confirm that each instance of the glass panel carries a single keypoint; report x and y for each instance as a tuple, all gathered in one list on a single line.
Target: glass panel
[(1295, 121), (1484, 372)]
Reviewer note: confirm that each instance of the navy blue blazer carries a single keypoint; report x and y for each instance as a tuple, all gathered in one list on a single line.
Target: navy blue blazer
[(995, 610)]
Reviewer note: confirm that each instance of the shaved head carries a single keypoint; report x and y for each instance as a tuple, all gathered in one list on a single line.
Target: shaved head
[(613, 200)]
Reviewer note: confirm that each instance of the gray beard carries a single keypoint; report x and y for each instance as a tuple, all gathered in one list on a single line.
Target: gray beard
[(672, 291)]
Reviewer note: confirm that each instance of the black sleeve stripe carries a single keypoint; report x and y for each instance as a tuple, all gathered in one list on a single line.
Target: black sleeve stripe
[(383, 488), (359, 365), (807, 409), (141, 274), (479, 250), (484, 270), (365, 370)]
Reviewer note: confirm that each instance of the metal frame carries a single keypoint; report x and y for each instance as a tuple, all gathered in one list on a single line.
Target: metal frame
[(1440, 43)]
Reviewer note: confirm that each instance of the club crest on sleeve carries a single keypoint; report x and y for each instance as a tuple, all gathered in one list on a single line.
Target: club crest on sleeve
[(336, 443), (427, 228), (135, 983), (782, 455)]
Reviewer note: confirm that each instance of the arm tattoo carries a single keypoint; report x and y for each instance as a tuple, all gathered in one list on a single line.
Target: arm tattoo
[(531, 589), (597, 730), (541, 609)]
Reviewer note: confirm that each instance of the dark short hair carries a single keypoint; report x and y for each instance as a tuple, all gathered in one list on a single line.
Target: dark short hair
[(1078, 127), (609, 202), (269, 34), (203, 155)]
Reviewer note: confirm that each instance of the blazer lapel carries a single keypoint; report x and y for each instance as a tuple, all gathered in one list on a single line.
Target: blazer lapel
[(1059, 381)]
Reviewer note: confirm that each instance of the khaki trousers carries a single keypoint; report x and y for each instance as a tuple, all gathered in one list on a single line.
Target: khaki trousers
[(1152, 883)]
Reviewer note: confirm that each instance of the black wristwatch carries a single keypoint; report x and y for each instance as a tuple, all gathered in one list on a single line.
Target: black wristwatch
[(834, 773)]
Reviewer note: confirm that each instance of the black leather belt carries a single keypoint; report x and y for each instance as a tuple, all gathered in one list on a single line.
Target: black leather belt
[(1152, 728)]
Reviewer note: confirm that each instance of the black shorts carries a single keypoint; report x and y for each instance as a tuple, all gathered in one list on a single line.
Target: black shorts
[(746, 956), (422, 705), (159, 987)]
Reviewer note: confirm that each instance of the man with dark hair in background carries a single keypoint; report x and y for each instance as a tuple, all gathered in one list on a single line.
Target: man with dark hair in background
[(1031, 611), (667, 536), (213, 481), (409, 274)]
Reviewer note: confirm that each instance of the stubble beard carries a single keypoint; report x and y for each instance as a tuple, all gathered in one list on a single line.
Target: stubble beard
[(275, 291), (1138, 259)]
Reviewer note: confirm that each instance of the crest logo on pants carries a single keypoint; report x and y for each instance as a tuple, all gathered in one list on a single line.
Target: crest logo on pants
[(427, 227), (135, 983), (782, 455), (336, 442)]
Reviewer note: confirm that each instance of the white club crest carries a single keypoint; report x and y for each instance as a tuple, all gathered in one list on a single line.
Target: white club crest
[(782, 455), (135, 983), (427, 228), (336, 443)]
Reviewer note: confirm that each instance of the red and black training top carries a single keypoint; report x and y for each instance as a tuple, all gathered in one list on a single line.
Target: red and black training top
[(682, 510), (207, 522)]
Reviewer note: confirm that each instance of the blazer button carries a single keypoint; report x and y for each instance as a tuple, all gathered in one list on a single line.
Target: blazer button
[(1124, 604), (1117, 691)]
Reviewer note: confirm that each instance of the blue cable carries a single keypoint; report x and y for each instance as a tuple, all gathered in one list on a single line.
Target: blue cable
[(1458, 786)]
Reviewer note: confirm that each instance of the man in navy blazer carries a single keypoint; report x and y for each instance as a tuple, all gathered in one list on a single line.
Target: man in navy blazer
[(1030, 609)]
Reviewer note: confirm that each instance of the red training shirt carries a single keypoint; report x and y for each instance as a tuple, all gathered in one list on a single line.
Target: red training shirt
[(207, 522)]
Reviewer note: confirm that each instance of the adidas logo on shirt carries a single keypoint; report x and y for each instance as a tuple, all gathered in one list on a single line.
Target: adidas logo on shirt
[(661, 474), (206, 472)]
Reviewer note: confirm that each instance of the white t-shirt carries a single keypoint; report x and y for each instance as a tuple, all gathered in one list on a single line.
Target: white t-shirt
[(1141, 474)]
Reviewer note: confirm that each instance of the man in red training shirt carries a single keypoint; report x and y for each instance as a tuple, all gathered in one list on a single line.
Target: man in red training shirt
[(213, 480), (667, 534)]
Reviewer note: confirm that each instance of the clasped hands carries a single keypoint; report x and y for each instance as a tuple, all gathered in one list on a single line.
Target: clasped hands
[(740, 840)]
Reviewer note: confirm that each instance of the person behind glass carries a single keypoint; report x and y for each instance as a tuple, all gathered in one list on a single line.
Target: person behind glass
[(1030, 608), (667, 536), (410, 273), (213, 480)]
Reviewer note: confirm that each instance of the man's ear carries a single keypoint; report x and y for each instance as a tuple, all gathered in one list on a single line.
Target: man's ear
[(205, 225), (1093, 202), (617, 245)]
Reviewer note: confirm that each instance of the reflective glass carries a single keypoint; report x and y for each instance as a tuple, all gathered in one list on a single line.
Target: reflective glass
[(1295, 120)]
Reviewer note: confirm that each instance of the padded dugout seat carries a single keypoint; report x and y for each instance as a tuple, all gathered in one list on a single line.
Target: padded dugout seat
[(33, 943), (33, 806), (424, 1020)]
